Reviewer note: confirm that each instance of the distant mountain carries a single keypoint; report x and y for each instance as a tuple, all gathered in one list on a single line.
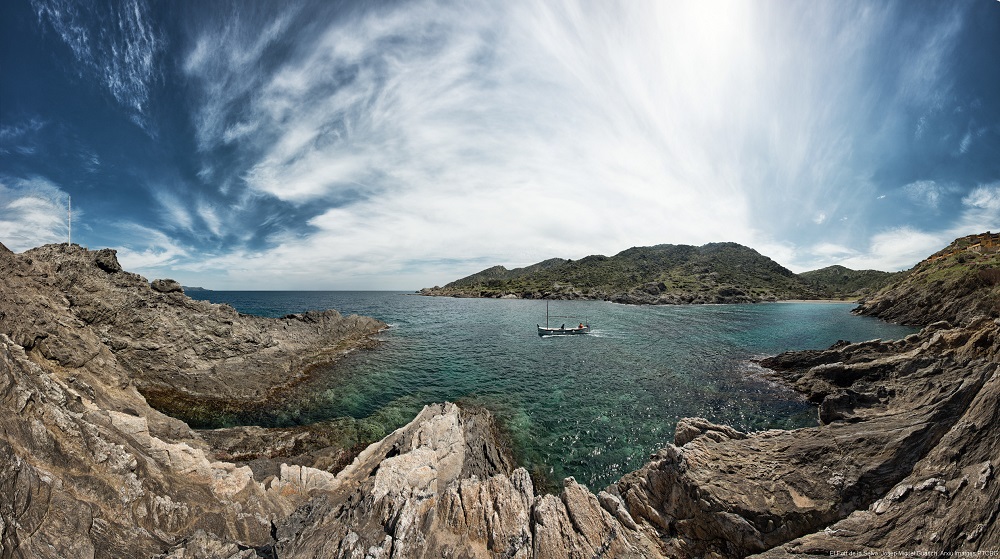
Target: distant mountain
[(957, 284), (661, 274), (188, 289), (837, 282)]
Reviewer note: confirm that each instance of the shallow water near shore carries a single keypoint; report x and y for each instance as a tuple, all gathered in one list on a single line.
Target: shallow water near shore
[(593, 406)]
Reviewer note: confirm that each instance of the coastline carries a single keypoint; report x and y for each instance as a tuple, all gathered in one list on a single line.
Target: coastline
[(633, 299), (906, 446), (850, 301)]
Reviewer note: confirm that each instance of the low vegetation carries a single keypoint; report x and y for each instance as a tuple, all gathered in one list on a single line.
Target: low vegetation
[(667, 274), (958, 283)]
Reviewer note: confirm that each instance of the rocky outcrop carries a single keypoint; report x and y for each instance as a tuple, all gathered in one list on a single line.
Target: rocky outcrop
[(945, 384), (188, 358), (82, 477), (87, 467), (957, 284)]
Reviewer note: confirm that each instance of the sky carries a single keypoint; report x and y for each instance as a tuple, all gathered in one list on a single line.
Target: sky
[(400, 145)]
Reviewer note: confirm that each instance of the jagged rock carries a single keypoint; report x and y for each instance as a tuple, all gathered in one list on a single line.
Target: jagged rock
[(181, 354), (87, 467), (690, 428), (107, 260), (166, 286)]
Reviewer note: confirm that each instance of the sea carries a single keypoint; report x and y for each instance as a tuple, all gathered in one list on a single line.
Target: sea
[(589, 406)]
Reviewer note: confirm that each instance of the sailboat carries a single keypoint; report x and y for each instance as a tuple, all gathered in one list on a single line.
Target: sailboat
[(582, 328)]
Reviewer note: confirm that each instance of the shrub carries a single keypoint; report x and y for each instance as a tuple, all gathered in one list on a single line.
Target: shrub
[(990, 276)]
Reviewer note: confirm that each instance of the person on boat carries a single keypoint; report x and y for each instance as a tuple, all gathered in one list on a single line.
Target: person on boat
[(563, 327), (580, 327)]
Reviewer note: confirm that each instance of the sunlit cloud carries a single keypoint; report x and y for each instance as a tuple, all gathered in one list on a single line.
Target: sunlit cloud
[(407, 144), (148, 250), (33, 212)]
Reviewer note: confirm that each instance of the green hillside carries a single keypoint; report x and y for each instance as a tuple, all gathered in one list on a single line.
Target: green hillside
[(661, 274), (837, 282), (957, 284)]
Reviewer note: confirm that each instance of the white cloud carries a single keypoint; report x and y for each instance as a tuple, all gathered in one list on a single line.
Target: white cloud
[(33, 212), (118, 45), (21, 137), (210, 217), (148, 251), (984, 198), (926, 193), (898, 249), (966, 143), (521, 131), (175, 212)]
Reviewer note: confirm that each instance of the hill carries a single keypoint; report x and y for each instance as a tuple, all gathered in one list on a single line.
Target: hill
[(665, 274), (956, 284), (836, 282)]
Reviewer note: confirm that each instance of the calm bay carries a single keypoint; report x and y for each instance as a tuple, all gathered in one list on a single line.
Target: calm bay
[(593, 406)]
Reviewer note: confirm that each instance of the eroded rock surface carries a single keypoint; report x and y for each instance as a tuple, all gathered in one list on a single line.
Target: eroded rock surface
[(72, 306), (87, 467)]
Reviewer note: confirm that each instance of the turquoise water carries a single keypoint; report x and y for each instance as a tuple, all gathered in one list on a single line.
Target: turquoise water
[(594, 406)]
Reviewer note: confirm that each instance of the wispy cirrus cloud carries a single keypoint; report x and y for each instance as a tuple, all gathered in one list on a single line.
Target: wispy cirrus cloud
[(149, 250), (115, 43), (428, 130), (927, 193), (317, 145), (20, 138)]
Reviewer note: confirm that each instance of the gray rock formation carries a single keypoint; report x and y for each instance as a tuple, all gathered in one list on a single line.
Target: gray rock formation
[(183, 355), (87, 467), (166, 286)]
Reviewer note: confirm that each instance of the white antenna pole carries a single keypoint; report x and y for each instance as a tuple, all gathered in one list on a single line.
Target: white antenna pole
[(69, 214)]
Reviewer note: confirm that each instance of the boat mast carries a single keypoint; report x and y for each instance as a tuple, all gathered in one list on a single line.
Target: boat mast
[(546, 313), (69, 220)]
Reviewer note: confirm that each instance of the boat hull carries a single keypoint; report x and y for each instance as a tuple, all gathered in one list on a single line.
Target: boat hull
[(543, 331)]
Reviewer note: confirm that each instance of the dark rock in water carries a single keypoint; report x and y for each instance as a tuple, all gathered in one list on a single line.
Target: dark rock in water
[(166, 286)]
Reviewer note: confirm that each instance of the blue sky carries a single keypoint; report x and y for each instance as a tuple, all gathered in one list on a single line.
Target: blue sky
[(399, 145)]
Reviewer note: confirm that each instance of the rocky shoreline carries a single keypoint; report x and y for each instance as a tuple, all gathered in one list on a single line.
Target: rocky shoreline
[(904, 460), (654, 293)]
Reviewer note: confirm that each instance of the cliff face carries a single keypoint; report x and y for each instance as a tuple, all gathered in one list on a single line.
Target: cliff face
[(905, 458), (957, 284)]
